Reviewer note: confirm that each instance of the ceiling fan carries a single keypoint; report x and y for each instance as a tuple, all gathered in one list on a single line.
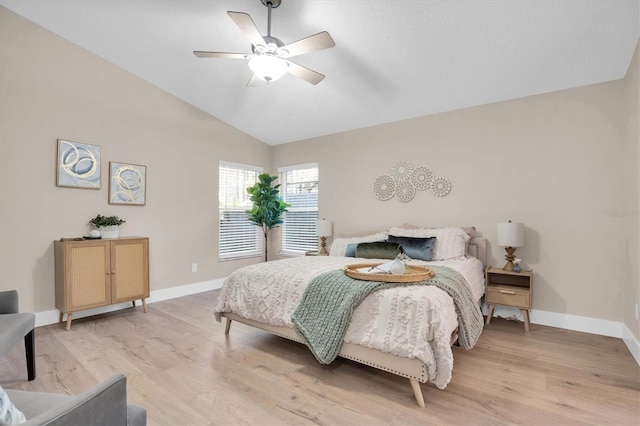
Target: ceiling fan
[(269, 59)]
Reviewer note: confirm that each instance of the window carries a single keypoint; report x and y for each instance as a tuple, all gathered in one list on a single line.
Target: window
[(238, 237), (299, 187)]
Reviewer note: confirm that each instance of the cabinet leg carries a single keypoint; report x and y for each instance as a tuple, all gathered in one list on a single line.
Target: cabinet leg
[(525, 317), (490, 314), (69, 318), (144, 306), (61, 317), (133, 302)]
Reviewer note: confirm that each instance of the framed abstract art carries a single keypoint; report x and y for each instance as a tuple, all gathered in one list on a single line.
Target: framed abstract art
[(78, 165), (127, 184)]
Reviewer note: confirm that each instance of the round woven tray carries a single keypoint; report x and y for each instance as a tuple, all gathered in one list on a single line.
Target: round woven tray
[(413, 273)]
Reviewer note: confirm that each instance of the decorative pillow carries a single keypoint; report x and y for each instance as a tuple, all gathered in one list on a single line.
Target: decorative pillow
[(471, 230), (339, 245), (415, 247), (350, 251), (9, 414), (450, 242), (378, 250)]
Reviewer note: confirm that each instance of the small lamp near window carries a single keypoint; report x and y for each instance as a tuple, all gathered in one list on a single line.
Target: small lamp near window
[(324, 229), (510, 236)]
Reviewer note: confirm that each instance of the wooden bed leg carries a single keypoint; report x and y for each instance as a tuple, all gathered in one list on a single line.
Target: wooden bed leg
[(227, 326), (417, 392)]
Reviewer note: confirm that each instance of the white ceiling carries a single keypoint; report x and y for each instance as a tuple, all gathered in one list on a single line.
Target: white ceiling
[(393, 59)]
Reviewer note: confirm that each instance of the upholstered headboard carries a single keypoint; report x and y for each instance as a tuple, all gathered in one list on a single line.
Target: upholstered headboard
[(478, 249)]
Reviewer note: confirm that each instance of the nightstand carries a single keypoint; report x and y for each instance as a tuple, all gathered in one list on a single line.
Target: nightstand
[(510, 289)]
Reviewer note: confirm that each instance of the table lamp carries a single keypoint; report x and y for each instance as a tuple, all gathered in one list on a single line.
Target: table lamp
[(510, 236), (324, 229)]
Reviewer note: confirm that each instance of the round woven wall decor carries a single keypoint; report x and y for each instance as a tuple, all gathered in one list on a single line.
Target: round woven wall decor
[(384, 187), (422, 178), (441, 186), (401, 170), (405, 191)]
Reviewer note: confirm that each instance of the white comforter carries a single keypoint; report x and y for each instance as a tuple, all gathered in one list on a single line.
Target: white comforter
[(411, 322)]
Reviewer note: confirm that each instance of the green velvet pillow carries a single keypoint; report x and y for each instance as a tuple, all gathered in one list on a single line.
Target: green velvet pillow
[(378, 250), (415, 248)]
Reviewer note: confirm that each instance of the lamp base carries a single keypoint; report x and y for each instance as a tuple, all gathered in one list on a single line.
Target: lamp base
[(509, 257), (323, 247)]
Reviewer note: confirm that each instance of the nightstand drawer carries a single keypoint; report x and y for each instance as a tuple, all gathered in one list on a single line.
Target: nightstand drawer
[(508, 295)]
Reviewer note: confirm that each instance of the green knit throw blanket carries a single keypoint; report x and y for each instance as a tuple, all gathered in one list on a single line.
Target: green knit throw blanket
[(328, 303)]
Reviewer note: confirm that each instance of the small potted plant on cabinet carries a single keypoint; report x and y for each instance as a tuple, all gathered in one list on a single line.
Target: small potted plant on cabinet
[(108, 226)]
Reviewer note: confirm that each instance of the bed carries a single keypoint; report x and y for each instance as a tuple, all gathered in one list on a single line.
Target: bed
[(405, 330)]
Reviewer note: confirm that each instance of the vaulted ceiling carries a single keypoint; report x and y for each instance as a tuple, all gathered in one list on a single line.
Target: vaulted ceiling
[(393, 59)]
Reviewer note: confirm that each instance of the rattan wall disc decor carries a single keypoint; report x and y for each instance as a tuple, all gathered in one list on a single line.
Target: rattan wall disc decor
[(405, 179)]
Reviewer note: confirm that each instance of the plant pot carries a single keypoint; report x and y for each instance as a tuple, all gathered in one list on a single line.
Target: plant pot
[(109, 231)]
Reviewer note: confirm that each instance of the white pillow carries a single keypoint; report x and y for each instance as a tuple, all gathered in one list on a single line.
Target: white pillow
[(339, 245), (450, 242), (9, 414)]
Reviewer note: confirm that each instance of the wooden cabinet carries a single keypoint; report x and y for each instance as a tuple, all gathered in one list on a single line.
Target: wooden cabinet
[(94, 273), (510, 289)]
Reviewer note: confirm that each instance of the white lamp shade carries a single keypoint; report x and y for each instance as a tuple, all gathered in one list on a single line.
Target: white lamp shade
[(268, 67), (510, 234), (324, 228)]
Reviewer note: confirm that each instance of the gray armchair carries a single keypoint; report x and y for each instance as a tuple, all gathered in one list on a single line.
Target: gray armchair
[(104, 404), (15, 326)]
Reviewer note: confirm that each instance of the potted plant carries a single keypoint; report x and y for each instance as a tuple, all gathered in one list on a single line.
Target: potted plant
[(109, 226), (268, 206)]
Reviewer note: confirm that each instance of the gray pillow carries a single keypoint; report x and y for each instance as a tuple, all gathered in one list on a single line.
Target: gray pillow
[(414, 247), (351, 250), (378, 250)]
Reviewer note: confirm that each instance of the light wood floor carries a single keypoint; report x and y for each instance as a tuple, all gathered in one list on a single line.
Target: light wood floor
[(183, 369)]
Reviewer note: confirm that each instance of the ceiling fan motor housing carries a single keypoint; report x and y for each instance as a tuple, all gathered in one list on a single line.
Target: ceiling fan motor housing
[(272, 44), (272, 3)]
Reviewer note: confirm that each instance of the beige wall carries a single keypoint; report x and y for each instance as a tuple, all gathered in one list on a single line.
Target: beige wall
[(561, 163), (552, 161), (631, 185), (49, 89)]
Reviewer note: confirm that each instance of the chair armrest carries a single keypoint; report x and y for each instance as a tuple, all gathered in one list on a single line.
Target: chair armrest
[(103, 404), (9, 302)]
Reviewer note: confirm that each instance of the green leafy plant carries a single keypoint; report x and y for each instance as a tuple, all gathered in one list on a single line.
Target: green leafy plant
[(268, 206), (100, 221)]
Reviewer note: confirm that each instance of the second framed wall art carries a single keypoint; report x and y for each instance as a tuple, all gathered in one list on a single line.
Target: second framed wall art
[(127, 184)]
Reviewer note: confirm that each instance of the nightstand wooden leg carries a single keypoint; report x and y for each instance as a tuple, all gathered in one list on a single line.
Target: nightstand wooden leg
[(227, 326), (144, 305), (61, 317), (525, 317), (490, 314)]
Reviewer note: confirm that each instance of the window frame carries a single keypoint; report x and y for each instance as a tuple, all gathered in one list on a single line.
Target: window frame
[(285, 247), (251, 251)]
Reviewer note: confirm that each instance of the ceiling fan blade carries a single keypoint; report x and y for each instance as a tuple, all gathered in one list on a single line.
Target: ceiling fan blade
[(225, 55), (305, 73), (309, 44), (246, 25)]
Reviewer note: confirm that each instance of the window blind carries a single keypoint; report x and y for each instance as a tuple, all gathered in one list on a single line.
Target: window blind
[(238, 238), (299, 187)]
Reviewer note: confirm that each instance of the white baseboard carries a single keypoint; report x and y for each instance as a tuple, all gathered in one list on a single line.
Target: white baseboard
[(576, 323), (552, 319), (632, 342), (52, 317)]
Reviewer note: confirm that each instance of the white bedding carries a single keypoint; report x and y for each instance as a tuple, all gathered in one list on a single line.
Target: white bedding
[(411, 322)]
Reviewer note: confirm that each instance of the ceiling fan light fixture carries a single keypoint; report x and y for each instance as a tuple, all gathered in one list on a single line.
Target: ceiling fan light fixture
[(268, 67)]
